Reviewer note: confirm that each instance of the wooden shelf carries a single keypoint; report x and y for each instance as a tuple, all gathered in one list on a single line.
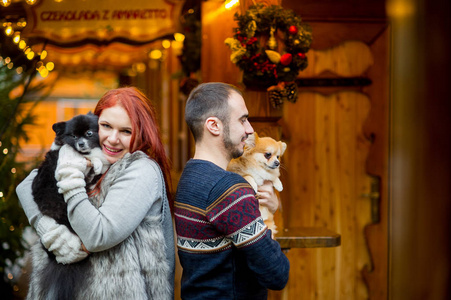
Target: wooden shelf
[(307, 237)]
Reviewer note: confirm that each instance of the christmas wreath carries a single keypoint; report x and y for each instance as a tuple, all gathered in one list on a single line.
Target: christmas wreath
[(255, 49)]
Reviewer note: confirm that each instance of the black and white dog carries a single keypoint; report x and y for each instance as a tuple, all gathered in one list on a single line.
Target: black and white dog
[(81, 133), (59, 281)]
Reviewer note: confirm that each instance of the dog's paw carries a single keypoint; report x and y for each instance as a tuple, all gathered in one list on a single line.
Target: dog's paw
[(98, 160), (252, 182), (97, 165), (278, 185)]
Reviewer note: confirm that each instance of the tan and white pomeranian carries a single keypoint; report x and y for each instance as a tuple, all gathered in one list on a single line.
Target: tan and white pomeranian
[(259, 162)]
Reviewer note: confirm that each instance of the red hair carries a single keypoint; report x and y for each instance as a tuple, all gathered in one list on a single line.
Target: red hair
[(145, 130)]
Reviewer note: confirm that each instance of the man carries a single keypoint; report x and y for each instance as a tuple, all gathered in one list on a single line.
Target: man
[(225, 249)]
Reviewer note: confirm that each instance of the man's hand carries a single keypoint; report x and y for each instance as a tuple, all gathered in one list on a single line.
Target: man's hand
[(267, 197)]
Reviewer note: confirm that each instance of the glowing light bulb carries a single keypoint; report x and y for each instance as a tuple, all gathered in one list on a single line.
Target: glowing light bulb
[(231, 4), (22, 22), (30, 55), (5, 3), (9, 31), (22, 44), (166, 44), (179, 37), (177, 45), (44, 72), (49, 66), (43, 54), (16, 38), (155, 54), (139, 67)]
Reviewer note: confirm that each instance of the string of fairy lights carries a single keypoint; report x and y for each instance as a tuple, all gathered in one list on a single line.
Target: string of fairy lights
[(13, 30), (6, 3)]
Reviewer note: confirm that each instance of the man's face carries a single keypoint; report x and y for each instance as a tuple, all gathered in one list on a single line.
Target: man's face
[(238, 127)]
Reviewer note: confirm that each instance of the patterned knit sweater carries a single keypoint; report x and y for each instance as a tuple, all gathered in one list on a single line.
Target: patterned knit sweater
[(224, 247)]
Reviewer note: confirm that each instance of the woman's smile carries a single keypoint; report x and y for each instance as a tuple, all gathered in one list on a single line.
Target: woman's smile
[(111, 150)]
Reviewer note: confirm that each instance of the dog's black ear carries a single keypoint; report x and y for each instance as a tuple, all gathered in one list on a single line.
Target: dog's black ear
[(59, 128), (92, 116)]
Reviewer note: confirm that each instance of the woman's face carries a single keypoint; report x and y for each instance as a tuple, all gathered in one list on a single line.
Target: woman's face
[(115, 132)]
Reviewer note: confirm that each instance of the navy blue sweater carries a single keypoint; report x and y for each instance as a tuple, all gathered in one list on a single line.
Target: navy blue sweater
[(224, 247)]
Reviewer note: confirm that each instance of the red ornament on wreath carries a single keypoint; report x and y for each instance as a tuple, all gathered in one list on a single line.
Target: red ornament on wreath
[(286, 59), (293, 30), (301, 55)]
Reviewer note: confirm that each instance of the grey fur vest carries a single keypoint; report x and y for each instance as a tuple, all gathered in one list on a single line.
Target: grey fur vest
[(135, 269)]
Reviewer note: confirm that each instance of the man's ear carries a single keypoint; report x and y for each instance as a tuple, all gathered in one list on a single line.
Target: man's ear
[(214, 125)]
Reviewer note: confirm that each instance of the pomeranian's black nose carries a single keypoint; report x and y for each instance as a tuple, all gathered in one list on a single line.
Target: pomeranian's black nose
[(276, 163), (81, 144)]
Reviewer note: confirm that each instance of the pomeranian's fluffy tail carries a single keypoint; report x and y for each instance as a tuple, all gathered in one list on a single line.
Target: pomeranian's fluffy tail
[(51, 280)]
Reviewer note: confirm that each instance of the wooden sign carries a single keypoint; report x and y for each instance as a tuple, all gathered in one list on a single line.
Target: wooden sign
[(70, 21)]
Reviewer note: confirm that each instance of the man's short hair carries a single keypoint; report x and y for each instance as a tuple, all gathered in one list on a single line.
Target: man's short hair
[(205, 101)]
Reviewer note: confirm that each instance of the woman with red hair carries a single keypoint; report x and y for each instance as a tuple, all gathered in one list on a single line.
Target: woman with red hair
[(123, 226)]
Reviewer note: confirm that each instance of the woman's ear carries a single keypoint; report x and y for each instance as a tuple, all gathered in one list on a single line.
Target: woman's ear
[(213, 125)]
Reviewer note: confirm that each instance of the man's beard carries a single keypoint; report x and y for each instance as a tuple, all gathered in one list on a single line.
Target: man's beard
[(232, 149)]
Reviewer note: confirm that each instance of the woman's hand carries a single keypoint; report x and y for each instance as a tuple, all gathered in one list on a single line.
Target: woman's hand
[(84, 249), (88, 163), (57, 238), (267, 197)]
